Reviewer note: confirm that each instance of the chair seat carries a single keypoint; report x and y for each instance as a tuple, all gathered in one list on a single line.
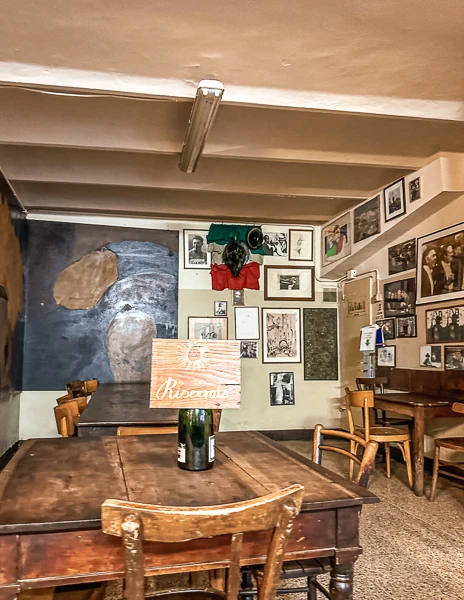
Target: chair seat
[(385, 434), (209, 594), (453, 443)]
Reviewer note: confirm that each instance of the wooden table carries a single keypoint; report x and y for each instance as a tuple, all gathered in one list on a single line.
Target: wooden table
[(52, 490), (420, 407), (117, 404)]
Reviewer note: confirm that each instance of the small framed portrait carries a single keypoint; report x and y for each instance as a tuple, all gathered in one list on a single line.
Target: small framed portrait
[(399, 298), (246, 323), (207, 328), (248, 349), (282, 389), (402, 257), (195, 254), (415, 191), (275, 243), (289, 283), (238, 297), (386, 356), (430, 356), (301, 244), (220, 308), (367, 219), (406, 327), (394, 200), (388, 328), (336, 239), (281, 335), (454, 358)]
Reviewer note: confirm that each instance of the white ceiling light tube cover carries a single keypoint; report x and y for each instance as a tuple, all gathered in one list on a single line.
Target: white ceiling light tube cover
[(205, 105)]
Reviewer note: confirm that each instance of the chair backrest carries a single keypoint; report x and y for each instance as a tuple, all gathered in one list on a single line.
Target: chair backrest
[(66, 416), (90, 386), (366, 463), (81, 401), (146, 430), (371, 383), (363, 400), (136, 522), (80, 387), (458, 407), (217, 414)]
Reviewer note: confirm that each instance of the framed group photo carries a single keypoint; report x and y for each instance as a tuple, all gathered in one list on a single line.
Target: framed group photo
[(195, 253), (444, 324), (289, 283), (207, 328), (394, 200), (399, 298), (281, 337), (301, 243), (402, 257)]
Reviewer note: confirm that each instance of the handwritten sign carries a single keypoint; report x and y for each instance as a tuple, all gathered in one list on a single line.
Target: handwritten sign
[(195, 374)]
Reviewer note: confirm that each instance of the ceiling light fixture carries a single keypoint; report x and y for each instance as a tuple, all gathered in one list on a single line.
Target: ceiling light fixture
[(205, 105)]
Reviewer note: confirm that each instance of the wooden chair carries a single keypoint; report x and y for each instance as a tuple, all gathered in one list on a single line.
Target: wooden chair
[(136, 523), (379, 383), (378, 433), (454, 470), (66, 417), (81, 401), (80, 387), (146, 430)]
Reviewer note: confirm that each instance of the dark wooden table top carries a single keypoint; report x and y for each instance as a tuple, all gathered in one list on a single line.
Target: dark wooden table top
[(116, 404), (60, 484), (415, 399)]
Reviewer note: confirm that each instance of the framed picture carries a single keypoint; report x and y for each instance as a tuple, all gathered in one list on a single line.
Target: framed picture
[(399, 298), (356, 308), (195, 254), (430, 356), (207, 328), (388, 328), (238, 297), (220, 308), (275, 243), (246, 323), (336, 240), (329, 294), (248, 349), (444, 325), (454, 358), (402, 257), (394, 201), (415, 191), (282, 388), (289, 283), (386, 356), (301, 244), (281, 335), (367, 219), (406, 327), (440, 265)]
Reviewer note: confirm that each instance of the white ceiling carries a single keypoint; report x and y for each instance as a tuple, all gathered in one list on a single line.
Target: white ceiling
[(325, 101)]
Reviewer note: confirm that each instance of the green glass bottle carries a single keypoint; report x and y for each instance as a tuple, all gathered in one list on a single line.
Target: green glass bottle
[(196, 443)]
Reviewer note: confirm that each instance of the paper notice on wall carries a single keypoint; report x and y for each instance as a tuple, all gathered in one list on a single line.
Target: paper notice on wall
[(368, 336)]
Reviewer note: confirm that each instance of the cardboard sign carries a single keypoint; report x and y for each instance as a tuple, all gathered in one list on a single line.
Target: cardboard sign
[(195, 374), (368, 335)]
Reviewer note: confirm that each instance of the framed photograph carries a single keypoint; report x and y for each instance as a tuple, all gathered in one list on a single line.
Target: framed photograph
[(388, 328), (386, 356), (444, 325), (367, 219), (195, 254), (248, 349), (415, 191), (394, 200), (238, 297), (430, 356), (282, 388), (329, 294), (336, 240), (275, 243), (246, 323), (399, 298), (402, 257), (440, 265), (220, 308), (207, 328), (406, 327), (454, 358), (301, 244), (356, 308), (281, 335), (289, 283)]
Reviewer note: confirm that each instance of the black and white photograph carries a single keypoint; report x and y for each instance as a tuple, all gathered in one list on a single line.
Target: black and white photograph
[(367, 219), (275, 244), (444, 325), (402, 257), (415, 191), (195, 254), (301, 244), (207, 328), (454, 358), (246, 323), (440, 265), (406, 327), (281, 335), (394, 201), (386, 356), (238, 297), (248, 349), (289, 283), (329, 294), (356, 308), (399, 298), (388, 328), (430, 356), (220, 308), (282, 389)]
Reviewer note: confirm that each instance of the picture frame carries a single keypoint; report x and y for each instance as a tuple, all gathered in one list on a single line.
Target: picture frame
[(238, 297), (282, 388), (366, 219), (406, 327), (399, 298), (275, 243), (248, 349), (430, 357), (295, 283), (196, 255), (329, 294), (394, 200), (301, 245), (444, 325), (454, 358), (220, 308), (386, 356), (415, 189), (440, 265), (281, 335), (207, 328), (388, 328), (246, 323), (336, 239), (402, 257)]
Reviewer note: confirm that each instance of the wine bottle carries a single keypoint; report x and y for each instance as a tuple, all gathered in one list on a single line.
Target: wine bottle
[(196, 443)]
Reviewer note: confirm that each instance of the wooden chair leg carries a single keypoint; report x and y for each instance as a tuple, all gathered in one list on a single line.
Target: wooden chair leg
[(436, 462), (218, 579), (312, 590), (353, 451), (387, 459), (407, 460)]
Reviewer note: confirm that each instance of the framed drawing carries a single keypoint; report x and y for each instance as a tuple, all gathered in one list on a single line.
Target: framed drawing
[(282, 389), (220, 308), (394, 200), (301, 244), (402, 257), (444, 325), (289, 283), (399, 298), (195, 254), (430, 356), (207, 328), (367, 219), (386, 356), (415, 190), (454, 358), (440, 265), (388, 328), (281, 335), (246, 323), (406, 327), (248, 349), (336, 240)]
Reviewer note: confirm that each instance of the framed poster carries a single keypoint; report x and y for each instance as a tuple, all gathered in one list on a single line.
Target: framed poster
[(336, 240), (301, 244), (444, 324), (195, 254), (399, 298), (289, 283), (281, 335), (402, 257), (282, 388), (394, 200), (386, 356), (406, 327), (367, 219), (430, 356), (246, 323), (440, 265), (207, 328), (454, 358)]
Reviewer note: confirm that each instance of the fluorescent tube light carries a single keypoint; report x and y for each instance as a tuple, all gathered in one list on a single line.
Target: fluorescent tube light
[(205, 105)]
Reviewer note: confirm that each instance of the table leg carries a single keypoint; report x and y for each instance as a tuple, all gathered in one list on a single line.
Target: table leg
[(341, 582), (10, 592), (418, 445)]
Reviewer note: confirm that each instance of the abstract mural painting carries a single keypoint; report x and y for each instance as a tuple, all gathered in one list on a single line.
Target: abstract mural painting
[(320, 334), (95, 298)]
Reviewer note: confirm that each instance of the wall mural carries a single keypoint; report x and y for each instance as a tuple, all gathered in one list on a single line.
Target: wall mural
[(95, 298), (320, 344)]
